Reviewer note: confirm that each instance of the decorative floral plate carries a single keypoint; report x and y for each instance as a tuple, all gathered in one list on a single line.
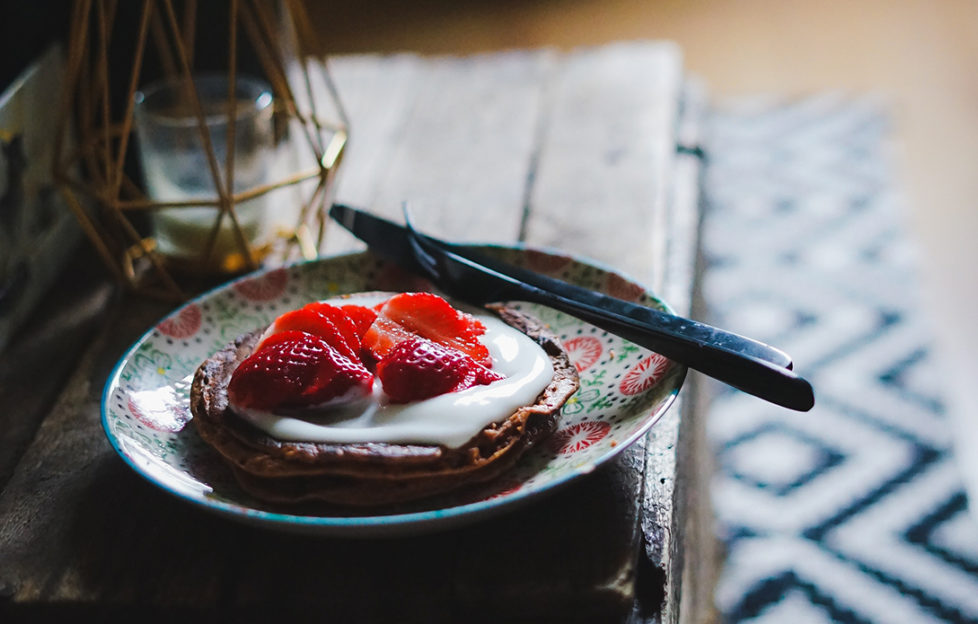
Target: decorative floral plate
[(146, 406)]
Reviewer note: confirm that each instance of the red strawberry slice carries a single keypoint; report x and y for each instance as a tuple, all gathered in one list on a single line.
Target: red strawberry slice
[(417, 369), (362, 316), (340, 318), (381, 337), (429, 316), (289, 335), (297, 369), (312, 322)]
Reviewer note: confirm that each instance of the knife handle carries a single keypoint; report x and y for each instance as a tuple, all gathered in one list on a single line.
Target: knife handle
[(746, 372), (657, 320)]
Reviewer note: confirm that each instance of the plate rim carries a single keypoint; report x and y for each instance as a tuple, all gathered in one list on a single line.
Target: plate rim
[(388, 524)]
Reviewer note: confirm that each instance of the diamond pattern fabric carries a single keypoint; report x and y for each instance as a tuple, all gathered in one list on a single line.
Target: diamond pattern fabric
[(855, 511)]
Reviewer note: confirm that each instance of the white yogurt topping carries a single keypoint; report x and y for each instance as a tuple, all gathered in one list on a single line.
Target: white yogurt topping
[(448, 419)]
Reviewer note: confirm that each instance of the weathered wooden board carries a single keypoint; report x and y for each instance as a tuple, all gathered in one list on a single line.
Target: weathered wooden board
[(463, 155), (677, 465), (50, 342), (605, 159), (601, 185), (379, 96), (565, 150)]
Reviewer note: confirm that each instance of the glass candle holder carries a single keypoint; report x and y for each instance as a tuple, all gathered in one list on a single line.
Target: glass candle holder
[(177, 168)]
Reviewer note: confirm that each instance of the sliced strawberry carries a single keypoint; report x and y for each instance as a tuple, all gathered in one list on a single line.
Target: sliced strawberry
[(312, 322), (431, 317), (417, 369), (381, 337), (362, 316), (424, 311), (341, 319), (289, 335), (295, 370)]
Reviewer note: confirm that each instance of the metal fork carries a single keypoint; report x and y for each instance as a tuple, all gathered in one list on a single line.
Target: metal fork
[(740, 362)]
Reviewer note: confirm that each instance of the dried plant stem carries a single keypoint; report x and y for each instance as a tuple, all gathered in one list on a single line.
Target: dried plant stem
[(105, 199)]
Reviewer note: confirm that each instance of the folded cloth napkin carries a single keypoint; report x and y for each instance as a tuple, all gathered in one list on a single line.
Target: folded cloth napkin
[(855, 511)]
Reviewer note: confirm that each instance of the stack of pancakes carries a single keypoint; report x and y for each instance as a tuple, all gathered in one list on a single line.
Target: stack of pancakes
[(371, 474)]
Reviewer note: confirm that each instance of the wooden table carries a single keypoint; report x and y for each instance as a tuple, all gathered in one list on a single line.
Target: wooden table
[(570, 150)]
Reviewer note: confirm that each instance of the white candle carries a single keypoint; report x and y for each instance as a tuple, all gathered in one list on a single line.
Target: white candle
[(176, 166)]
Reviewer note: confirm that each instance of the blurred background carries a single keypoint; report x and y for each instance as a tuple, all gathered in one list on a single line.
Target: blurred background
[(919, 57)]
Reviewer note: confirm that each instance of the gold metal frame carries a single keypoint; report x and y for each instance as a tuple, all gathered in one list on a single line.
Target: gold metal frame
[(92, 176)]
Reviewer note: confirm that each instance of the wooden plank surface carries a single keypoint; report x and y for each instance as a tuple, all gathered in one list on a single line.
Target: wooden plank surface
[(462, 157), (687, 551), (480, 143), (601, 187)]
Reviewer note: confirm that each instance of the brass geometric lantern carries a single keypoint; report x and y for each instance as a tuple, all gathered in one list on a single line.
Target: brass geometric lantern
[(255, 209)]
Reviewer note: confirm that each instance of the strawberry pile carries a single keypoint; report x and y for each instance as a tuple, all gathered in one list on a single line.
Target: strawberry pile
[(416, 344)]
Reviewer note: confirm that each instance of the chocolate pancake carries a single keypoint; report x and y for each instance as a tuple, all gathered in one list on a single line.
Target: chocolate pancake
[(371, 474)]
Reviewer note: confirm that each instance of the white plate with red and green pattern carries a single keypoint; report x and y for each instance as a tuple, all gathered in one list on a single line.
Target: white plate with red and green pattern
[(146, 414)]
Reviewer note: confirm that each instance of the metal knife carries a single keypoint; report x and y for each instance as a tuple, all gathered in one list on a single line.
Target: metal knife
[(470, 275)]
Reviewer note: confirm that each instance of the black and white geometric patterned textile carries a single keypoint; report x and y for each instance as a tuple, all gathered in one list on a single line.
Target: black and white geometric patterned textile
[(855, 511)]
